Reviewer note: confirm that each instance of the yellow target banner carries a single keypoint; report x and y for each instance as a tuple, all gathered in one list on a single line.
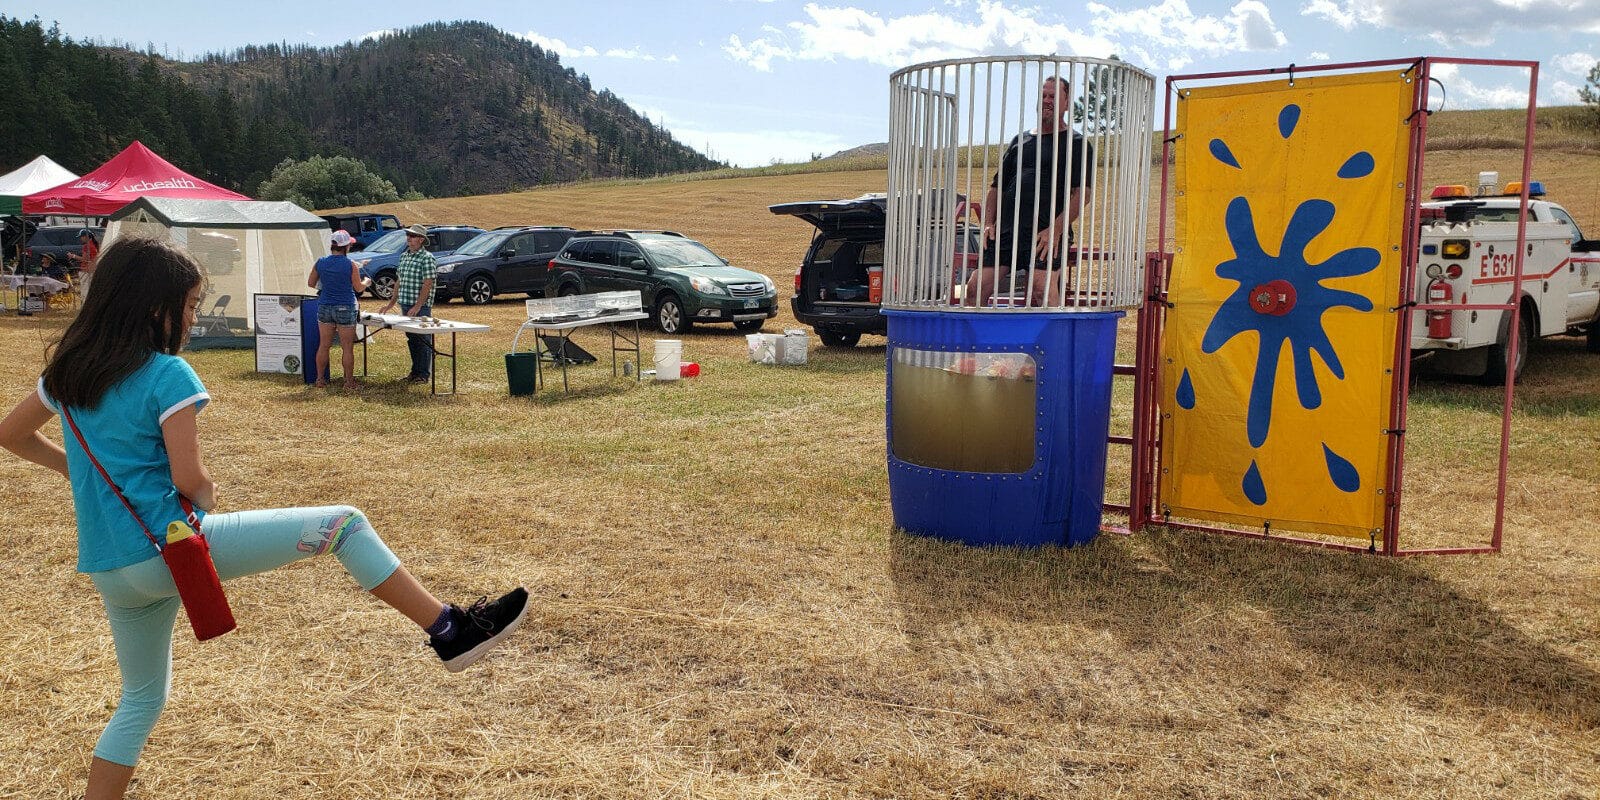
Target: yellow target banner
[(1280, 334)]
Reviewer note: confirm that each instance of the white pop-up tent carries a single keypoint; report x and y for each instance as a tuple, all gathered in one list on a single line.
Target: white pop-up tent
[(245, 247), (34, 176)]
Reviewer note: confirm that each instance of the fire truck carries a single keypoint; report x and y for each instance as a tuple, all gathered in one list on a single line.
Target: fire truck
[(1467, 256)]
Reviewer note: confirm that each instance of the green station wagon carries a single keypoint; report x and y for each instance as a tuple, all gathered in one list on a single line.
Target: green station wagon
[(680, 280)]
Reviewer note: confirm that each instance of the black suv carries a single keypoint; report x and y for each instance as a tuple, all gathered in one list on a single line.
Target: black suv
[(510, 259), (679, 279), (55, 241), (831, 289)]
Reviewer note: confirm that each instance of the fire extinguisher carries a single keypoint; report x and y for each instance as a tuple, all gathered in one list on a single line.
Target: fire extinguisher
[(1439, 319)]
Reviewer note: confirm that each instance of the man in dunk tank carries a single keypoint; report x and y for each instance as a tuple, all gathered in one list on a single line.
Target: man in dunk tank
[(1033, 201)]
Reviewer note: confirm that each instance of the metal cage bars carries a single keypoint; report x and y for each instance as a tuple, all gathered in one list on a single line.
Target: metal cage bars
[(960, 127)]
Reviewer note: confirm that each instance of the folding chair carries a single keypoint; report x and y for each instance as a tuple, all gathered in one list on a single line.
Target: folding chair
[(213, 320)]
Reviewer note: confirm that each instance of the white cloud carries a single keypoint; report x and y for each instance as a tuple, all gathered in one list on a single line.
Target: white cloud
[(852, 34), (1345, 14), (377, 34), (1318, 55), (1473, 23), (1165, 33), (567, 51), (758, 53), (1575, 63), (630, 53), (1560, 93), (1174, 28), (1254, 21), (559, 47), (1463, 92)]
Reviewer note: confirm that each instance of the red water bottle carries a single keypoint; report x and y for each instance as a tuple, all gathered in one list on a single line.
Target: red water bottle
[(689, 370), (188, 557)]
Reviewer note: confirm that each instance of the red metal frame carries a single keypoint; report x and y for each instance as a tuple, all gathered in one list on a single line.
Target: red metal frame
[(1143, 507)]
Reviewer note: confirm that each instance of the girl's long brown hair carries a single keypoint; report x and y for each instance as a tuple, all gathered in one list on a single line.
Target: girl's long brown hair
[(134, 308)]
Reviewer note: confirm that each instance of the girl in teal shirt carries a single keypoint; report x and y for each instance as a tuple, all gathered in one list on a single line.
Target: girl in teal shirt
[(136, 403)]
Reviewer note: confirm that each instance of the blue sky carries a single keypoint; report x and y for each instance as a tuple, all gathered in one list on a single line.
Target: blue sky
[(758, 81)]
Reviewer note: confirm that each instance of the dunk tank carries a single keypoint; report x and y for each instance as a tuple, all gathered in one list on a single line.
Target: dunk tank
[(1016, 235), (1274, 313)]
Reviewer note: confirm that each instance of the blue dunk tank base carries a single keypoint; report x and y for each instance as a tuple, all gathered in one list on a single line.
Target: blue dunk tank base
[(997, 424)]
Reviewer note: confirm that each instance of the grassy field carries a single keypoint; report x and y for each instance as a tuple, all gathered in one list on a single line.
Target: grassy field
[(723, 609)]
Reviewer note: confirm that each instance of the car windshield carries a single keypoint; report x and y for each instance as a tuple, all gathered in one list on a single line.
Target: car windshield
[(680, 253), (483, 244), (391, 242)]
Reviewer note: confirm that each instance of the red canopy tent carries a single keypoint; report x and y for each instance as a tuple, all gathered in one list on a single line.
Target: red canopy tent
[(133, 173)]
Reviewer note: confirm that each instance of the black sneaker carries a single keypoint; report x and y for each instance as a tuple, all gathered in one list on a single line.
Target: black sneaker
[(481, 627)]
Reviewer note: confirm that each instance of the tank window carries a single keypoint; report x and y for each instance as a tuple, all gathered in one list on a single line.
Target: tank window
[(966, 412)]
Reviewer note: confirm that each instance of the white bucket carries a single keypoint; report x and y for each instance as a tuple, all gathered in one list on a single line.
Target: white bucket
[(668, 359)]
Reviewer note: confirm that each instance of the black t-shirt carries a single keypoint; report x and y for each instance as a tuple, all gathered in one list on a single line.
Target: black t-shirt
[(1035, 166)]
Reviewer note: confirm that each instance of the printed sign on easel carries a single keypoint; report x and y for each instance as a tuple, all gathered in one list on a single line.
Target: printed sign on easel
[(278, 333)]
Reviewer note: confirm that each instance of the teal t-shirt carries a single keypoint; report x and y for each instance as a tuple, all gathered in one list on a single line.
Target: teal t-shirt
[(124, 431)]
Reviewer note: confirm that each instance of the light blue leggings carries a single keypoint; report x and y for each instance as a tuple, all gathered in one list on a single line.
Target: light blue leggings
[(143, 604)]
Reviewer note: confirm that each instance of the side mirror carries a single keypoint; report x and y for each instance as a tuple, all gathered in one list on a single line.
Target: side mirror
[(1586, 246), (508, 252), (633, 262), (726, 261)]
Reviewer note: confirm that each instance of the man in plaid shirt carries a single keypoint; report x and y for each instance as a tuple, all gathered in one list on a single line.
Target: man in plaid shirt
[(414, 279)]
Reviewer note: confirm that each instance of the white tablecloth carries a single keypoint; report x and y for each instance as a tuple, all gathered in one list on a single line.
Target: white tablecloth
[(32, 281), (401, 322)]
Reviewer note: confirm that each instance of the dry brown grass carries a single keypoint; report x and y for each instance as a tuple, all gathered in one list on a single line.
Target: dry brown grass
[(722, 608)]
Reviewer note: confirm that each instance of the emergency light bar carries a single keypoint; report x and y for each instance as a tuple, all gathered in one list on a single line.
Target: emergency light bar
[(1535, 188)]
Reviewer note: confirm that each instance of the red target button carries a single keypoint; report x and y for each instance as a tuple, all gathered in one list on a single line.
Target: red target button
[(1273, 297)]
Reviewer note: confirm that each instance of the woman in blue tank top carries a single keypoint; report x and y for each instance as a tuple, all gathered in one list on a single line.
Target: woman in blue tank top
[(337, 280)]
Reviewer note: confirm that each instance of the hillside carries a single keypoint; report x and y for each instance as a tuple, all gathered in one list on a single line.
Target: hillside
[(442, 109)]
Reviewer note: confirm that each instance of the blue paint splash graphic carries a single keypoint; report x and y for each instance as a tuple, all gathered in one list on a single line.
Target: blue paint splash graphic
[(1186, 391), (1220, 151), (1342, 472), (1290, 302), (1301, 327), (1288, 118), (1254, 488), (1357, 166)]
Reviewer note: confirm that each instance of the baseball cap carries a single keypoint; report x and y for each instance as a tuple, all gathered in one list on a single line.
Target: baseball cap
[(342, 238)]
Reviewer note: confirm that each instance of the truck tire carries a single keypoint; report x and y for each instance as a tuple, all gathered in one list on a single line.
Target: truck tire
[(1495, 372)]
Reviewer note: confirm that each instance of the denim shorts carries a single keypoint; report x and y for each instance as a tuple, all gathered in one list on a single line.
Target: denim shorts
[(338, 315)]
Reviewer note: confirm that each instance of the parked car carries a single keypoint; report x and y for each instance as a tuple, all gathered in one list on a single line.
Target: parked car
[(54, 242), (217, 252), (500, 261), (679, 279), (831, 288), (379, 259), (366, 228)]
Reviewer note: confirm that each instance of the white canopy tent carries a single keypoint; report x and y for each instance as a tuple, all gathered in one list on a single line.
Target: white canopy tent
[(245, 247), (35, 176)]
